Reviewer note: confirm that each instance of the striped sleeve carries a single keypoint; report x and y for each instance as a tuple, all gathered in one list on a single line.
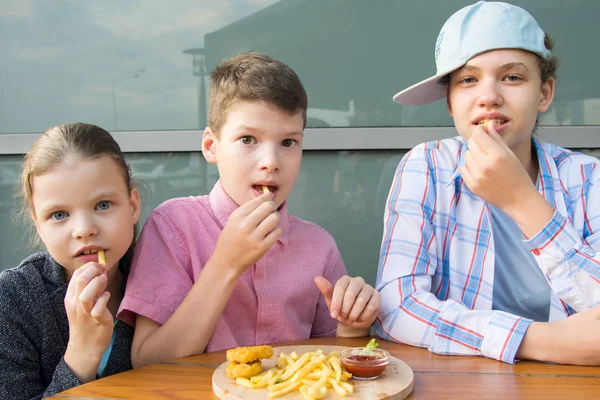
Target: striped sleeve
[(410, 312), (570, 257)]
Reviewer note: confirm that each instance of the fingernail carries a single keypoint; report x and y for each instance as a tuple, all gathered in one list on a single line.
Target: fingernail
[(334, 314)]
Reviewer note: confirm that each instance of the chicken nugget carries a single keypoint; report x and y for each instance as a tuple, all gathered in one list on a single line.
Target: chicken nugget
[(243, 370), (249, 354)]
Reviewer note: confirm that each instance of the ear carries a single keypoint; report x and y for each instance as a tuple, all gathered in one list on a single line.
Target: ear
[(547, 94), (209, 145), (135, 204)]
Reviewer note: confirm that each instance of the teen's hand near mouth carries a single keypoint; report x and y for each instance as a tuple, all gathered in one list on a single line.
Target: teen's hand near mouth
[(493, 172)]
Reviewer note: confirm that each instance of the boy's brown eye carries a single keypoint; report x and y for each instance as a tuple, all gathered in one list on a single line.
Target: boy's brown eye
[(247, 140)]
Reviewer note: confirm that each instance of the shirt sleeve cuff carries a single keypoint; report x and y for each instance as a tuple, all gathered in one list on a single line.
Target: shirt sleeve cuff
[(503, 337), (556, 239)]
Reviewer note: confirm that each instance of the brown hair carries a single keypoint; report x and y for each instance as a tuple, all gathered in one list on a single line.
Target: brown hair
[(52, 147), (253, 76), (549, 66)]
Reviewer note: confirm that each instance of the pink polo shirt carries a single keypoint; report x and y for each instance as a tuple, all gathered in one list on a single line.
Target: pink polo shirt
[(275, 300)]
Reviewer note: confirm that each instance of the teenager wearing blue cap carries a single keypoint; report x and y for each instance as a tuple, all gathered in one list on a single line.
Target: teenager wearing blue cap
[(490, 242)]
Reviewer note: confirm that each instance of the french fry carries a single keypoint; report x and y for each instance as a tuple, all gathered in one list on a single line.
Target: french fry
[(304, 392), (337, 367), (244, 382), (257, 378), (290, 388), (349, 388), (101, 258), (305, 370), (295, 367), (338, 388), (312, 374), (265, 189), (318, 389)]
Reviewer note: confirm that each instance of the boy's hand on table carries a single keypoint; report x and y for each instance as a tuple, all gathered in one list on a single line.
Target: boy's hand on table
[(352, 302), (90, 322), (249, 233)]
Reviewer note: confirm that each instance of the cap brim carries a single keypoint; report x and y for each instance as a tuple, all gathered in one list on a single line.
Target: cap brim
[(424, 92)]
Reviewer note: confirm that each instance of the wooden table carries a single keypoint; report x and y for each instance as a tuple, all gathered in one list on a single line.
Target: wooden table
[(436, 377)]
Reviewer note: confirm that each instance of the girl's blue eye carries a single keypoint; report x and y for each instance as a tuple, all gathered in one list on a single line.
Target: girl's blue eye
[(513, 78), (288, 142), (247, 140), (58, 215), (103, 205)]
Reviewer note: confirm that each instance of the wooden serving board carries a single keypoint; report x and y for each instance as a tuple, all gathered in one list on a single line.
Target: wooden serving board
[(396, 382)]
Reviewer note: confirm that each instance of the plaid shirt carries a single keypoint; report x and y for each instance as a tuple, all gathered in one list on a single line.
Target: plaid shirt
[(436, 267)]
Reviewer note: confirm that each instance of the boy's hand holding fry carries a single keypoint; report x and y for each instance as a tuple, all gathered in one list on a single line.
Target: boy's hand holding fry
[(352, 302), (90, 321), (249, 233)]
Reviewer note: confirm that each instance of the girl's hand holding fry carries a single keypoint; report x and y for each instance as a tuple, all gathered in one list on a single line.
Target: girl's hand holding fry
[(90, 322)]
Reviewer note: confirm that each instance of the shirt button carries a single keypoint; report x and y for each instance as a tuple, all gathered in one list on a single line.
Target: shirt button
[(536, 252)]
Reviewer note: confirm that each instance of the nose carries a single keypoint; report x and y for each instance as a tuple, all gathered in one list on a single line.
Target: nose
[(269, 159), (84, 226), (489, 95)]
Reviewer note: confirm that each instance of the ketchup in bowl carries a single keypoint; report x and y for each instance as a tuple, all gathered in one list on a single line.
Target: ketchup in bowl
[(364, 366)]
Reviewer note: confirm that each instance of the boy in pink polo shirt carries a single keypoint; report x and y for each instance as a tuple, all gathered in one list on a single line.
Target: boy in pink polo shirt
[(234, 268)]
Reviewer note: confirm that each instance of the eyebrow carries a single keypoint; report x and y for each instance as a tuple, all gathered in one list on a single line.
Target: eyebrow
[(106, 194), (252, 130), (46, 209), (505, 67)]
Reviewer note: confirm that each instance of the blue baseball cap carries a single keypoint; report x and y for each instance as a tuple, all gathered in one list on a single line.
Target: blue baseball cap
[(470, 31)]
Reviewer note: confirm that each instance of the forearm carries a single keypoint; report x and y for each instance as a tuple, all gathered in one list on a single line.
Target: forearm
[(531, 214), (83, 361), (344, 331), (536, 344), (569, 341), (569, 260), (191, 326)]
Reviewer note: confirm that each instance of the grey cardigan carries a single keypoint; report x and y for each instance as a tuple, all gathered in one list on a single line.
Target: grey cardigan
[(34, 332)]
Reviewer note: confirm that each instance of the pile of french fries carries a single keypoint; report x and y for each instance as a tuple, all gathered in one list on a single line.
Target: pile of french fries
[(311, 374)]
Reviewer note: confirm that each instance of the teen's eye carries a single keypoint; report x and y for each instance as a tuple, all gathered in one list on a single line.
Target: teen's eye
[(103, 205), (288, 142), (247, 140), (59, 215), (513, 78), (467, 80)]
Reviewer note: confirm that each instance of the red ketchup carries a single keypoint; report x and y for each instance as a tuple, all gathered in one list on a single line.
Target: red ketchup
[(365, 366)]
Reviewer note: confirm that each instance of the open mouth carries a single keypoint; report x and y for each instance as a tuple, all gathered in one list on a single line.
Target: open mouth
[(260, 188), (87, 252), (496, 121)]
